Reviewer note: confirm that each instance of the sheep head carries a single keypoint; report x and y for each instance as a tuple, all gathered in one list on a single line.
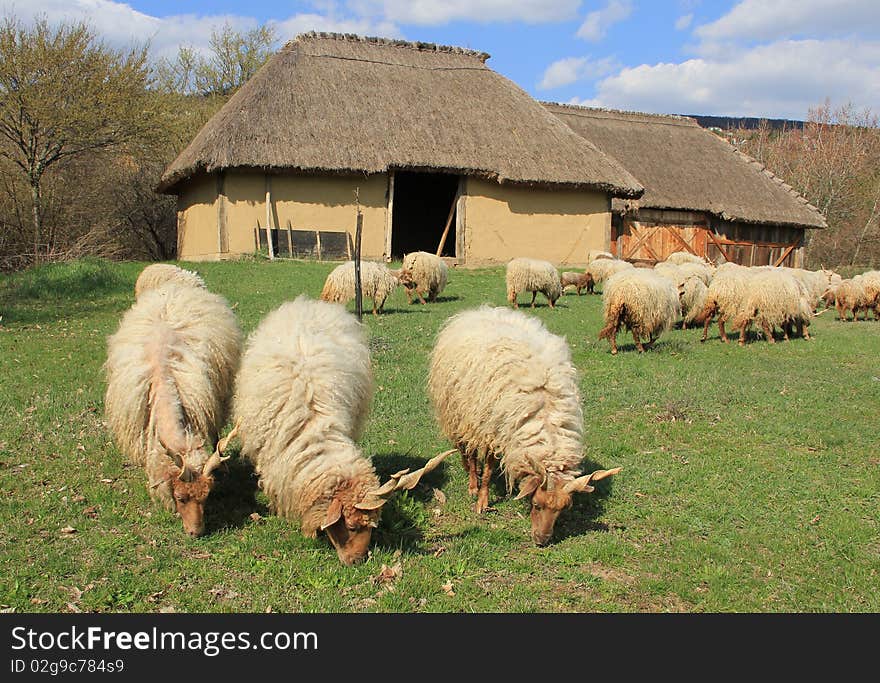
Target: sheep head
[(190, 487), (349, 523), (550, 497)]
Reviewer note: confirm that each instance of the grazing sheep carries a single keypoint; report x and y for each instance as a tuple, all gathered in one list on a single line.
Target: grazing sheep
[(170, 369), (503, 386), (302, 396), (577, 280), (533, 275), (816, 283), (429, 275), (157, 274), (681, 257), (641, 300), (693, 301), (871, 282), (603, 268), (724, 297), (774, 298), (850, 295), (377, 283)]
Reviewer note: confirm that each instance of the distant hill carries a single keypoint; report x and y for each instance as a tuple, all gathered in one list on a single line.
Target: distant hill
[(743, 122)]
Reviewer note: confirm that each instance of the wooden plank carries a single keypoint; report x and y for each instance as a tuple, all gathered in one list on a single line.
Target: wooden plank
[(389, 216), (318, 244), (638, 243), (448, 224), (785, 254), (674, 233), (257, 237), (269, 216), (711, 235), (289, 240), (222, 235), (358, 291)]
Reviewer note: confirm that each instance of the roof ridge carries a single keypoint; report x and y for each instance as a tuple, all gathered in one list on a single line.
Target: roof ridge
[(419, 46), (668, 119)]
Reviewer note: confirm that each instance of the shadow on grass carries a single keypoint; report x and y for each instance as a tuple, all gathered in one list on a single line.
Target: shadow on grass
[(580, 518), (404, 515), (234, 497), (59, 290)]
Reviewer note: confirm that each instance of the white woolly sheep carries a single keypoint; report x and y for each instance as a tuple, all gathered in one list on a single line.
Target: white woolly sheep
[(851, 295), (603, 268), (871, 282), (503, 386), (816, 283), (532, 275), (682, 257), (577, 280), (595, 254), (774, 298), (302, 397), (724, 297), (429, 275), (693, 301), (170, 369), (642, 301), (157, 274), (377, 283)]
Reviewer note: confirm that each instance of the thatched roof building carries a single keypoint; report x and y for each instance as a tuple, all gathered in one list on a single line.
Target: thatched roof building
[(693, 178), (358, 113)]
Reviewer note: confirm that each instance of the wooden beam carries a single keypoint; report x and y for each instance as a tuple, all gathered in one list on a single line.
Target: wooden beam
[(715, 241), (289, 240), (674, 232), (448, 224), (389, 216), (785, 254), (318, 243), (222, 235), (269, 216), (647, 232)]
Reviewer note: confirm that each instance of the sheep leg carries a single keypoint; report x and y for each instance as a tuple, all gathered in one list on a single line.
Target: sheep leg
[(638, 342), (534, 294), (483, 498), (742, 333), (419, 292), (768, 332), (708, 315), (469, 460), (787, 331), (721, 331), (511, 298), (804, 330)]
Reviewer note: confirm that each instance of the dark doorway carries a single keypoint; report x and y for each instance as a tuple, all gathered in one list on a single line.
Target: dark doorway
[(421, 208)]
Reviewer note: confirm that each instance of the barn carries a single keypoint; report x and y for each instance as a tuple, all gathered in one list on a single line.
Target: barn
[(424, 145), (701, 194)]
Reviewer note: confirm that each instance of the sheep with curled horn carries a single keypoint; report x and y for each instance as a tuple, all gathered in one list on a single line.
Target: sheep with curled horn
[(170, 368), (504, 388), (302, 397)]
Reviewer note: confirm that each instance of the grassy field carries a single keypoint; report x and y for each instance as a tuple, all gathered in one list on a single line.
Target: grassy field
[(750, 482)]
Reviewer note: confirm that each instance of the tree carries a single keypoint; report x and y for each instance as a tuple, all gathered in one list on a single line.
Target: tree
[(233, 59), (64, 94)]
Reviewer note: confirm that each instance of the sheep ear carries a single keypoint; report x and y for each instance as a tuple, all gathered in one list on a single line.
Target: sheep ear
[(582, 484), (528, 487), (334, 513)]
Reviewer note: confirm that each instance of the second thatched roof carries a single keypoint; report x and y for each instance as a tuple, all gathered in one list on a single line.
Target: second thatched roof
[(686, 167), (337, 103)]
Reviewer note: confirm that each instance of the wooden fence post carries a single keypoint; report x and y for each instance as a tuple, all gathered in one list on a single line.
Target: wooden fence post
[(359, 304)]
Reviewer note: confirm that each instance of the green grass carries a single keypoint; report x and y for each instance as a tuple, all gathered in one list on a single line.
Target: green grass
[(750, 482)]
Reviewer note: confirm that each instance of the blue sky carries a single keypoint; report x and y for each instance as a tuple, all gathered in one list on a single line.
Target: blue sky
[(769, 58)]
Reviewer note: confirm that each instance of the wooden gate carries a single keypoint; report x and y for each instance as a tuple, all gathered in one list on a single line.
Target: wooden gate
[(650, 243)]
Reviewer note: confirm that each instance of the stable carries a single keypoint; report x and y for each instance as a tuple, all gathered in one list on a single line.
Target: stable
[(425, 145), (701, 195)]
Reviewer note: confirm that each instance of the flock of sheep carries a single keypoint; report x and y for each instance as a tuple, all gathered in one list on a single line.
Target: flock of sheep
[(687, 289), (299, 389), (503, 388)]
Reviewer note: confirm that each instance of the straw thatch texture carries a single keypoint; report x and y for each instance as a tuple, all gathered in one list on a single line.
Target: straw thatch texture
[(346, 104), (686, 167)]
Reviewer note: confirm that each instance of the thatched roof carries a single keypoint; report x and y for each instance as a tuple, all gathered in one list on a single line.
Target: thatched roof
[(337, 103), (686, 167)]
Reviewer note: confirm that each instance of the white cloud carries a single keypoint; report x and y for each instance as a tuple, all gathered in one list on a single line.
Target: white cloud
[(683, 22), (432, 12), (572, 69), (760, 20), (597, 23), (120, 25), (781, 79)]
